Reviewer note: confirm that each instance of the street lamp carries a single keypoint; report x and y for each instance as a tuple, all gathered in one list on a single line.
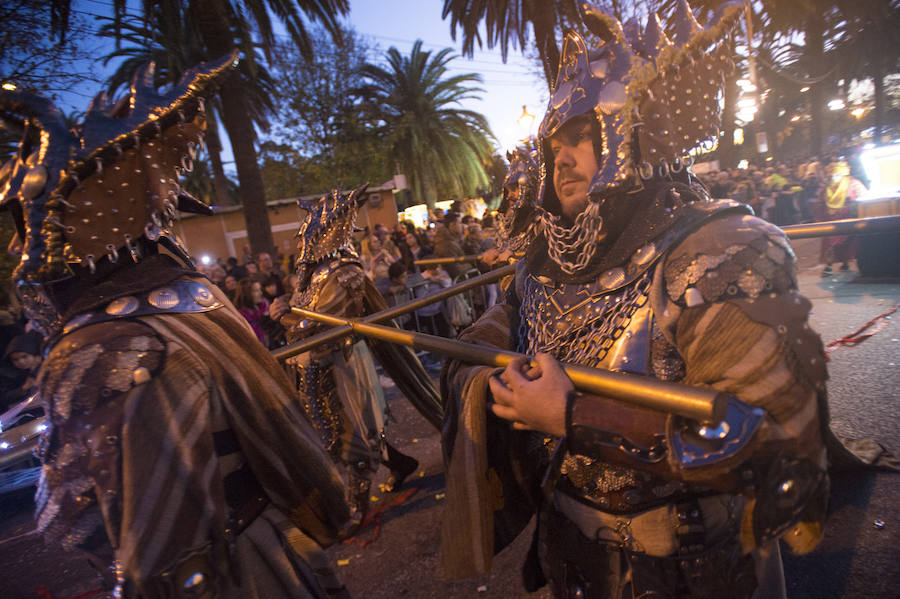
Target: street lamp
[(525, 120)]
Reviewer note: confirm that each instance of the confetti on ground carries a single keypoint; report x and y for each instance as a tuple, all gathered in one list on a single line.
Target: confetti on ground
[(421, 473), (482, 588), (373, 498), (879, 524), (415, 440), (343, 562), (440, 495)]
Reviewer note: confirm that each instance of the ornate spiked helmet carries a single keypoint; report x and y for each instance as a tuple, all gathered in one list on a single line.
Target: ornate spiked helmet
[(520, 188), (99, 191), (651, 100), (328, 224)]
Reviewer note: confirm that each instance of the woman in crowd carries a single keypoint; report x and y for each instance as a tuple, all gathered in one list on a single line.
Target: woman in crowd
[(379, 260), (252, 305), (230, 286), (410, 251)]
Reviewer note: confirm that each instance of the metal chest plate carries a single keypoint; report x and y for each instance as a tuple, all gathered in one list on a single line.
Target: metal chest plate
[(587, 324)]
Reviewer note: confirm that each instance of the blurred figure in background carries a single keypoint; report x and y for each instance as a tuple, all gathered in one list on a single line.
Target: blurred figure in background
[(838, 201), (24, 354)]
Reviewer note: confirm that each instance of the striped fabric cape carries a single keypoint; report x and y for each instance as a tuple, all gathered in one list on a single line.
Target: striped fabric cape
[(130, 457)]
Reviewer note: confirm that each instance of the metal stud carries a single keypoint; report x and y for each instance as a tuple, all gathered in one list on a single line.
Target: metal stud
[(122, 306), (164, 298)]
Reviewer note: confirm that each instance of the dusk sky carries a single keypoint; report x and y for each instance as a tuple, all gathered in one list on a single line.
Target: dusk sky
[(507, 87)]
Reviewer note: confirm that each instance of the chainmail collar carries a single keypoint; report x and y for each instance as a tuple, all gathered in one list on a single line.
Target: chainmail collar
[(663, 213)]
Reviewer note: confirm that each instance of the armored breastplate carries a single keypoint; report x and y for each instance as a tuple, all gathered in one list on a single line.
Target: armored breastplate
[(308, 297), (601, 325), (608, 323), (587, 324)]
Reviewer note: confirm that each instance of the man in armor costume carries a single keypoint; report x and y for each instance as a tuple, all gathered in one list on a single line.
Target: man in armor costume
[(337, 382), (516, 208), (632, 267), (177, 455)]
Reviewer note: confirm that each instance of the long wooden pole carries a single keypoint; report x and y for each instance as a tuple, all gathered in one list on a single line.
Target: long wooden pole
[(849, 226), (446, 260), (391, 313), (701, 404)]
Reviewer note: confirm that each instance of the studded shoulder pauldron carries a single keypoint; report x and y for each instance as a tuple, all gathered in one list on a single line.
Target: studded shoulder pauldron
[(177, 297), (308, 297)]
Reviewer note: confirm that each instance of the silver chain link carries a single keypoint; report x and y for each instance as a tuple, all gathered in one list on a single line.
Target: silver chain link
[(581, 239), (585, 335)]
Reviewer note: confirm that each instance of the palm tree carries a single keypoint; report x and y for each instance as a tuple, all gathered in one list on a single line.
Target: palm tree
[(508, 20), (437, 145), (224, 25), (868, 48)]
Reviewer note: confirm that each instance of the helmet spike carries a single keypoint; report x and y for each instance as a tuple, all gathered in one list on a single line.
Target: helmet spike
[(655, 39), (686, 26)]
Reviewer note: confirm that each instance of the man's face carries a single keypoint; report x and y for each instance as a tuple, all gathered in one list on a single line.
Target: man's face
[(575, 164), (265, 261)]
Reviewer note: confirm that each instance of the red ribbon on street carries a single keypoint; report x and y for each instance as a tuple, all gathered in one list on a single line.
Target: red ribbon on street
[(861, 334), (374, 517)]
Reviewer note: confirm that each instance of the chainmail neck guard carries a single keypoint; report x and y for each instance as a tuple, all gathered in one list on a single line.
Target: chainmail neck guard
[(631, 221)]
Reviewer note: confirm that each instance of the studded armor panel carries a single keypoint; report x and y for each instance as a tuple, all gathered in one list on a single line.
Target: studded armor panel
[(315, 382), (764, 264)]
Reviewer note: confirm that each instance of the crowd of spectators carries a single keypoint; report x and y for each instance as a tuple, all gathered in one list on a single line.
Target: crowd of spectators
[(388, 258), (786, 193)]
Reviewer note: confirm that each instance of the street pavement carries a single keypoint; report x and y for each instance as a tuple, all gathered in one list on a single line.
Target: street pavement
[(859, 557)]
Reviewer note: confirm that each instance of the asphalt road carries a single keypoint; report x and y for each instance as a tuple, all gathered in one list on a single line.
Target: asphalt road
[(859, 557)]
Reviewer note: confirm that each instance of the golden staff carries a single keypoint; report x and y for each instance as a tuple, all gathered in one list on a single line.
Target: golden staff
[(341, 331), (446, 260), (700, 404), (849, 226)]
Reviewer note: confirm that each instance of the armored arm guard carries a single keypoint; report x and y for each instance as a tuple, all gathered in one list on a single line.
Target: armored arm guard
[(337, 287), (729, 317)]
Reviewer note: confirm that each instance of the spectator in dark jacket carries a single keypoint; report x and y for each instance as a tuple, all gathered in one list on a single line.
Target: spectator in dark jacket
[(448, 243)]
